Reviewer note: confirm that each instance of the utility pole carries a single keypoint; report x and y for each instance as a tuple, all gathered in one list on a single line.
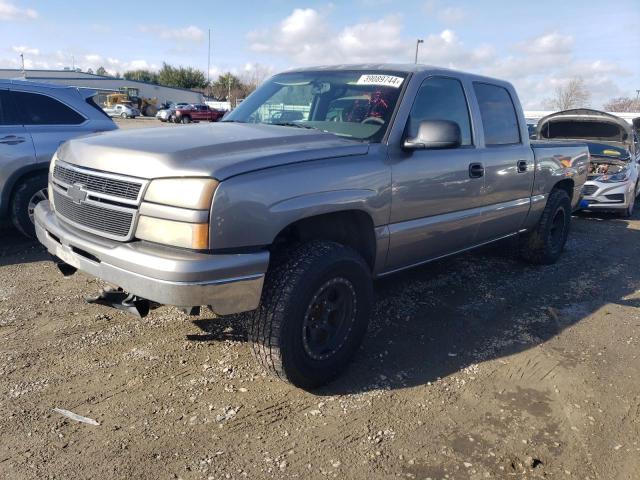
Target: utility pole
[(22, 62), (209, 58), (637, 91), (73, 63), (229, 87), (418, 42)]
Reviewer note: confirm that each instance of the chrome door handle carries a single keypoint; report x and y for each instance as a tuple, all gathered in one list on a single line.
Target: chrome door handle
[(12, 140)]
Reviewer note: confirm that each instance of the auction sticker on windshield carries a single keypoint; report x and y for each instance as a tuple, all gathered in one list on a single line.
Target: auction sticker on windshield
[(386, 80)]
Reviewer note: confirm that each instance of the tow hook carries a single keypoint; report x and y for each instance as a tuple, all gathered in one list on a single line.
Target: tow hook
[(66, 269), (118, 298)]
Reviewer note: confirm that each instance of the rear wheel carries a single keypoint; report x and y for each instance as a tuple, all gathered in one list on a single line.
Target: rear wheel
[(26, 196), (313, 314), (544, 245), (123, 115)]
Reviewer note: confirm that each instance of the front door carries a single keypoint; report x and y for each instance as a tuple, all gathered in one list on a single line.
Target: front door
[(435, 193)]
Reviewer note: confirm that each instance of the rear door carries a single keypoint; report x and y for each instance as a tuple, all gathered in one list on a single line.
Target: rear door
[(508, 163), (49, 121), (434, 196), (16, 146)]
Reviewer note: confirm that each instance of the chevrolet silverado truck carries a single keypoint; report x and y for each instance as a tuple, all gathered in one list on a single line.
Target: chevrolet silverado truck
[(321, 181)]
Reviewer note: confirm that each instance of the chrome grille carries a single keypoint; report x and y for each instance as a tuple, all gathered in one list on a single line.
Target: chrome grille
[(589, 189), (96, 183), (93, 217)]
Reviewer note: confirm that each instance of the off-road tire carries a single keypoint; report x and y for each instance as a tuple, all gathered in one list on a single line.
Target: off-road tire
[(540, 246), (19, 207), (276, 327)]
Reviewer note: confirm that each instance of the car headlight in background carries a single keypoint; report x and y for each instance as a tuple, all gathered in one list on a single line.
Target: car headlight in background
[(195, 194), (621, 176)]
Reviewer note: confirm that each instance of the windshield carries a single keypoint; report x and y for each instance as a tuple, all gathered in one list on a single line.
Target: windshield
[(352, 104)]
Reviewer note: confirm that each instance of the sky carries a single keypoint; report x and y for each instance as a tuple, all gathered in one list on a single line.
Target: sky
[(537, 45)]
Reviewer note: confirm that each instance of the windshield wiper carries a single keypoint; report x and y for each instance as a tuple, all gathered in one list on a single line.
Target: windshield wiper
[(293, 124)]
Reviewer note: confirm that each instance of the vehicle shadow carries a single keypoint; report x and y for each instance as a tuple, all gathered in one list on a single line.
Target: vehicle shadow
[(438, 319), (442, 318), (15, 248)]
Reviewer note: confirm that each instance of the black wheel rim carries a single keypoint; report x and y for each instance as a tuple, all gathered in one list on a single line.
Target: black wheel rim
[(556, 233), (329, 318)]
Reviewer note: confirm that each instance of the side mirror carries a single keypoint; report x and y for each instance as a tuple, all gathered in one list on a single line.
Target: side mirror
[(433, 134)]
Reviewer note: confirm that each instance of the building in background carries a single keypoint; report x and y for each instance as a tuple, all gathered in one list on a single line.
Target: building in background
[(104, 84)]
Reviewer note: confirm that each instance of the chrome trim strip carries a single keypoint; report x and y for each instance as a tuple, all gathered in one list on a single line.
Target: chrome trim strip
[(173, 213)]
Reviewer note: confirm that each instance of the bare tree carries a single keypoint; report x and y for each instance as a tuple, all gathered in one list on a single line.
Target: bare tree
[(622, 104), (254, 76), (573, 94)]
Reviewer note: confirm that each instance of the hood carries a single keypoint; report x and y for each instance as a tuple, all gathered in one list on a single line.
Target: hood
[(219, 150), (585, 124)]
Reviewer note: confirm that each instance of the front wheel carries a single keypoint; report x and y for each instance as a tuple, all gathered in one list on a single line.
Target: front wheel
[(313, 314), (544, 245), (186, 120), (26, 196)]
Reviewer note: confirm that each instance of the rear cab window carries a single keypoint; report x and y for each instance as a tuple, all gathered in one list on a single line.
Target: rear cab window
[(498, 113), (39, 109)]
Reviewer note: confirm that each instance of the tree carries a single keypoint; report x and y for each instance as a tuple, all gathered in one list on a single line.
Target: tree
[(623, 104), (90, 70), (181, 77), (253, 77), (230, 88), (142, 76), (101, 71), (574, 94)]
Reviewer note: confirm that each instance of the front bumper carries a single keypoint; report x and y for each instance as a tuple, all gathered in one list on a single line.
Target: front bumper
[(230, 283), (608, 196)]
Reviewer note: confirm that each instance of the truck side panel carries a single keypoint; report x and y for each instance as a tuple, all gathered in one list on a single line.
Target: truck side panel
[(557, 162)]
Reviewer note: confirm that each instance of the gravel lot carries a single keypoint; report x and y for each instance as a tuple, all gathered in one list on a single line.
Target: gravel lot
[(474, 367)]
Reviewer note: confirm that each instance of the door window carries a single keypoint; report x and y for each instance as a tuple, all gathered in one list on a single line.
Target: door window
[(441, 98), (499, 119), (36, 109), (7, 111)]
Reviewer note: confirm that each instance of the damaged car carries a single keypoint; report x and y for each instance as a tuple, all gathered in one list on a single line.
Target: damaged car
[(612, 183)]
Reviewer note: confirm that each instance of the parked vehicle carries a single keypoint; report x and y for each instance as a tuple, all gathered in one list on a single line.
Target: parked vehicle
[(34, 120), (197, 113), (167, 114), (293, 219), (122, 111), (613, 174)]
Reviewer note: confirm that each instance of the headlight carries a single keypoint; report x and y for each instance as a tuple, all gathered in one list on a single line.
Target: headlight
[(195, 193), (170, 232), (621, 176), (176, 229)]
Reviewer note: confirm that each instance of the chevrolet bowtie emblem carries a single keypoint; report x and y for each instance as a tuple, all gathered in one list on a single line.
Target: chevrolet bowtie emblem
[(77, 193)]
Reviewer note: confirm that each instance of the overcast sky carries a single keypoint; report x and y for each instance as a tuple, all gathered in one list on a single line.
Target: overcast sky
[(534, 44)]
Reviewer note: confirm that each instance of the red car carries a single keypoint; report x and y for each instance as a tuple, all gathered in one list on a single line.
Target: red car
[(196, 113)]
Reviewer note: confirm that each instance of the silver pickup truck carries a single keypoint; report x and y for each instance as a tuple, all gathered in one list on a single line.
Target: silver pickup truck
[(319, 182)]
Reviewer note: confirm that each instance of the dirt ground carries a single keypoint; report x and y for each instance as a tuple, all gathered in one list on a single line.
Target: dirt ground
[(474, 367)]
